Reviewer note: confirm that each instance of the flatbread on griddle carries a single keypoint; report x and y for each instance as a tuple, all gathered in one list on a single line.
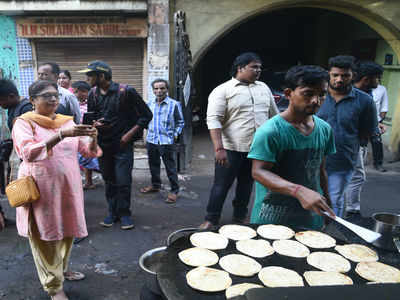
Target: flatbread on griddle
[(290, 248), (237, 232), (275, 232), (209, 240), (279, 277), (357, 253), (315, 239), (329, 262), (378, 272), (240, 289), (320, 278), (197, 257), (208, 279), (255, 248), (239, 265)]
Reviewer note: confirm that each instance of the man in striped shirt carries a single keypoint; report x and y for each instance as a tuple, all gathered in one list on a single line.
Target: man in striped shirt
[(163, 131)]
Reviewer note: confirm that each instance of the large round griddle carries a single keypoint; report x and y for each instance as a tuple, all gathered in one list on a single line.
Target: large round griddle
[(172, 274)]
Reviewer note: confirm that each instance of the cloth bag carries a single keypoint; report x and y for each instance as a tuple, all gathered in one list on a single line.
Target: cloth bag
[(23, 190)]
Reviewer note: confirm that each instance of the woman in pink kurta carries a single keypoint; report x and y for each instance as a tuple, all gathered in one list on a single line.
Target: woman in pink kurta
[(48, 145)]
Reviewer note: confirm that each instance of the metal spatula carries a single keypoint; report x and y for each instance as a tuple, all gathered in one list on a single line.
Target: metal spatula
[(364, 233)]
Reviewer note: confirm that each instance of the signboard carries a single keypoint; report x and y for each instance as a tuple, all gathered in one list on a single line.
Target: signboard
[(81, 27)]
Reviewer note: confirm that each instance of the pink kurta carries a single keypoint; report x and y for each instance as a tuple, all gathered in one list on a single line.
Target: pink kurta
[(59, 212)]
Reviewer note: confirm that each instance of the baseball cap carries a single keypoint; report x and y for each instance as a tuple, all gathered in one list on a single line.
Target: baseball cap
[(97, 66)]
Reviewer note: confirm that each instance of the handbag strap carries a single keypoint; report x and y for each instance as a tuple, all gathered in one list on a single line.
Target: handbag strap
[(13, 164)]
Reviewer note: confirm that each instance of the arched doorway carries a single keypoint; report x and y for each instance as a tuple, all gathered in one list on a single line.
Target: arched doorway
[(289, 36)]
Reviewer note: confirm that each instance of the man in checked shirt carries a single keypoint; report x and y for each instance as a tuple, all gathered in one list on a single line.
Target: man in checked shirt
[(235, 110), (163, 132)]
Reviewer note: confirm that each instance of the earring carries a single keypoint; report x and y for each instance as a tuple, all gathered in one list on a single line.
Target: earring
[(33, 106)]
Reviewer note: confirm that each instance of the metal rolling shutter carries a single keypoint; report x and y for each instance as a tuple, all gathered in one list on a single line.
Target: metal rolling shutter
[(125, 57)]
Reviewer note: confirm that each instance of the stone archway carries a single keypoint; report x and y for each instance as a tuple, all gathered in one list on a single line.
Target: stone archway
[(376, 19)]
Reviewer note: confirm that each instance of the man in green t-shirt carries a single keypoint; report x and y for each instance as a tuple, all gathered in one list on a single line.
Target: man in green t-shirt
[(288, 154)]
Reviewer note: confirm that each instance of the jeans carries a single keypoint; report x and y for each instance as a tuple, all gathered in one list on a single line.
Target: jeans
[(337, 184), (168, 155), (353, 191), (240, 169), (377, 148), (116, 169)]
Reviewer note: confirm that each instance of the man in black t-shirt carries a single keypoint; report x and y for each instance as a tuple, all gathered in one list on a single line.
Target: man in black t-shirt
[(10, 100), (120, 115)]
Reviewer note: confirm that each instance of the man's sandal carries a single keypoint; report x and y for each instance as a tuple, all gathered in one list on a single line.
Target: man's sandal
[(171, 198), (73, 276), (149, 189)]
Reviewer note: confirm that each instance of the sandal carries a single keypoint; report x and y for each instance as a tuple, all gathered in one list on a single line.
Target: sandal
[(89, 187), (149, 189), (73, 275), (171, 198)]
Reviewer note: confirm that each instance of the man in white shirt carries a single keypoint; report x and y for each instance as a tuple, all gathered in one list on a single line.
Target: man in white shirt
[(235, 110), (69, 105), (381, 100)]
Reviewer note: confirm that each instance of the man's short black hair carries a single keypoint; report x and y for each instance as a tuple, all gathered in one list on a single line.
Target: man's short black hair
[(160, 80), (7, 87), (81, 85), (243, 60), (369, 69), (55, 68), (305, 76), (342, 62)]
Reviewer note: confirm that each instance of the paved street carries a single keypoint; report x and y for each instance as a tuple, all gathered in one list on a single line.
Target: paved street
[(109, 257)]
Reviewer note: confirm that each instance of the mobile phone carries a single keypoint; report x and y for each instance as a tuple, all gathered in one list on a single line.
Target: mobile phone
[(88, 118)]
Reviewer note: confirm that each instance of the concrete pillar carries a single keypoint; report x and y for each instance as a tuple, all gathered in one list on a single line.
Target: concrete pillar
[(158, 43)]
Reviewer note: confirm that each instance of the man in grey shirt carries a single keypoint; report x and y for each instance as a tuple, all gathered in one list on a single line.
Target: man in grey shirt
[(69, 105)]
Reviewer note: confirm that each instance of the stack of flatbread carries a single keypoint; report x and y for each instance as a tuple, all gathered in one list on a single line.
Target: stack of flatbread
[(332, 265)]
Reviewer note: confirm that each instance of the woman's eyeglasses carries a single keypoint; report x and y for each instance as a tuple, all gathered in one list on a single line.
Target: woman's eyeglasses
[(48, 96)]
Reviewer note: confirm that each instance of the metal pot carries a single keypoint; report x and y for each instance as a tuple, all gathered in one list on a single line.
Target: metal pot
[(387, 224), (152, 260)]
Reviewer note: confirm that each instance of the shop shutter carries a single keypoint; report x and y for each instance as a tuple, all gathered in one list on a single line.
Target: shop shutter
[(125, 57)]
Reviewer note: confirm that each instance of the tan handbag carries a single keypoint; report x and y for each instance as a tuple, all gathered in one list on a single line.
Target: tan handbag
[(22, 190)]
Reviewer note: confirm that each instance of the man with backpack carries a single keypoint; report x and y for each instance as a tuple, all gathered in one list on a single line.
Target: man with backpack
[(10, 100), (120, 115)]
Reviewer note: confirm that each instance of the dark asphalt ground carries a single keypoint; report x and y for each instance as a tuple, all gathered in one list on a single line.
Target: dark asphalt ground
[(109, 257)]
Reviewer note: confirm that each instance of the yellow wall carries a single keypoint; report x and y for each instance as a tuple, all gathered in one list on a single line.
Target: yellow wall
[(208, 20)]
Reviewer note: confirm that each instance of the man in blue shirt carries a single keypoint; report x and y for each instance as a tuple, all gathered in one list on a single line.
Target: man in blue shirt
[(367, 78), (163, 132), (352, 116)]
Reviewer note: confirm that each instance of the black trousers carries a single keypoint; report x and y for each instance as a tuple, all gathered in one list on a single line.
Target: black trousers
[(116, 168), (377, 148), (168, 155), (239, 168)]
